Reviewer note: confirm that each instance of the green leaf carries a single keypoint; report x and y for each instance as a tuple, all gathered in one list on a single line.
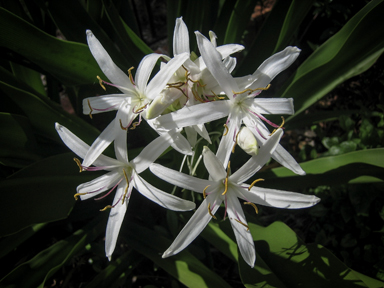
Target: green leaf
[(42, 192), (183, 266), (43, 113), (362, 166), (36, 271), (348, 53), (72, 63), (19, 148)]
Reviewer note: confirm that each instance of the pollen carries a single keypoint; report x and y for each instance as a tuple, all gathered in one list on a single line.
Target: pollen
[(101, 83), (122, 126), (253, 205), (254, 182), (78, 194), (245, 225), (130, 75), (204, 193), (126, 188), (210, 211), (226, 179), (250, 91), (106, 207), (90, 113), (226, 130), (79, 164), (281, 126)]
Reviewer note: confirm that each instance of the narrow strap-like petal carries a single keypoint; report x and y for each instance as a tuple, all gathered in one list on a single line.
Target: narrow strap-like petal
[(213, 59), (193, 228), (279, 198), (160, 197), (180, 38), (160, 80), (99, 185), (243, 235), (100, 104), (257, 162), (144, 70), (116, 217), (180, 179), (214, 165), (114, 73), (278, 106), (193, 115)]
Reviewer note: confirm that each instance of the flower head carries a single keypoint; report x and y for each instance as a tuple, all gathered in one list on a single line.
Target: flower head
[(224, 187)]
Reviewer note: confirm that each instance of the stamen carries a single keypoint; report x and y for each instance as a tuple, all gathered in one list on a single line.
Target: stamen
[(281, 126), (226, 130), (78, 194), (204, 193), (210, 211), (121, 125), (130, 75), (79, 164), (245, 225), (141, 109), (101, 83), (254, 182), (233, 148), (253, 205), (217, 97), (226, 179), (251, 90), (106, 207), (126, 188), (90, 113)]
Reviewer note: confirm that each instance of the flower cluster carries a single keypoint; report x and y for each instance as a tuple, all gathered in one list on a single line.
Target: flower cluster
[(185, 94)]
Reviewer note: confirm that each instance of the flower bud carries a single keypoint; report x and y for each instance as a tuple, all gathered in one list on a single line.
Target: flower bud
[(247, 141)]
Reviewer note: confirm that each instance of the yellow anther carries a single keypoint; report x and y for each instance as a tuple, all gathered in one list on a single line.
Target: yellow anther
[(281, 126), (141, 109), (101, 83), (254, 182), (89, 105), (78, 194), (251, 90), (253, 205), (134, 125), (121, 125), (226, 130), (126, 188), (106, 207), (204, 193), (245, 225), (233, 148), (130, 75), (78, 164), (197, 96), (226, 179), (217, 97), (210, 212)]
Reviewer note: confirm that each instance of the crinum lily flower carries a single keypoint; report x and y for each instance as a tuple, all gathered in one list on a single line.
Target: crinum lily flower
[(137, 94), (192, 83), (242, 106), (122, 175), (223, 187)]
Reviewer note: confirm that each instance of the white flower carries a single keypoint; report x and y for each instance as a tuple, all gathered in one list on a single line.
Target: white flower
[(242, 105), (122, 175), (137, 94), (226, 188), (193, 83)]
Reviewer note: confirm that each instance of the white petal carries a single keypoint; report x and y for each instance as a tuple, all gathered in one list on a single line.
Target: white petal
[(243, 236), (214, 165), (116, 217), (99, 185), (162, 77), (273, 106), (279, 198), (180, 37), (114, 73), (100, 144), (144, 70), (191, 135), (197, 114), (275, 64), (257, 162), (212, 58), (103, 103), (200, 128), (151, 152), (180, 143), (180, 179), (225, 51), (126, 116), (193, 228), (80, 148), (162, 198), (230, 63), (226, 143)]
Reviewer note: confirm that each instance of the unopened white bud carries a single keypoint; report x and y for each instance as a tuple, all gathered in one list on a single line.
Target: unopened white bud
[(247, 141)]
